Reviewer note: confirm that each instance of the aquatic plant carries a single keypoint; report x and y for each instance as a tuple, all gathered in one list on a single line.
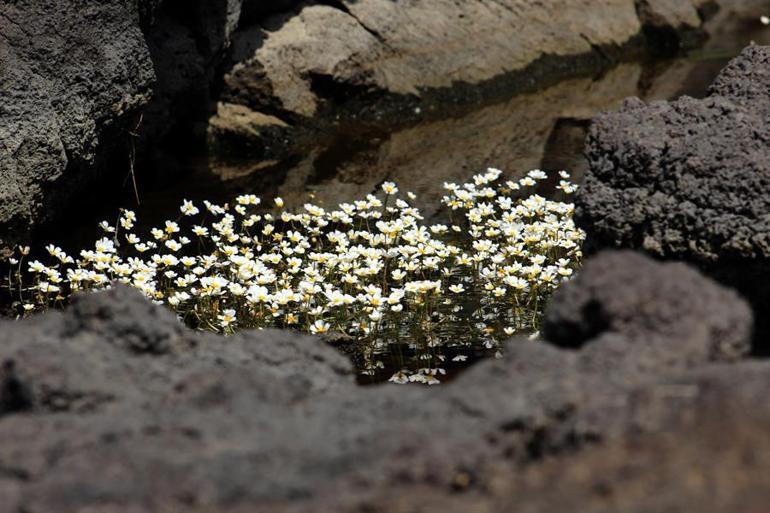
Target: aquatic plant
[(368, 274)]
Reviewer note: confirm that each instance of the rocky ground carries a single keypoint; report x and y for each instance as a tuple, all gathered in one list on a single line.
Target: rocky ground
[(88, 90), (640, 399), (689, 180)]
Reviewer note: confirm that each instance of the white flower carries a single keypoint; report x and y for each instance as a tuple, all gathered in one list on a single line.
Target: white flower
[(258, 294), (227, 318), (319, 327), (173, 245), (398, 274), (179, 297), (248, 199), (36, 267), (527, 182), (107, 227), (213, 284), (105, 245), (188, 208), (389, 188), (169, 260), (401, 377), (44, 286)]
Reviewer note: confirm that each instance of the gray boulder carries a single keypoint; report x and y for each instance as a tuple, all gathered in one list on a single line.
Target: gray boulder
[(658, 309), (690, 179), (73, 79)]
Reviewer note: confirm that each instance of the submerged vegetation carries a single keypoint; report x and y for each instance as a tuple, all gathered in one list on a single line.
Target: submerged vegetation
[(369, 275)]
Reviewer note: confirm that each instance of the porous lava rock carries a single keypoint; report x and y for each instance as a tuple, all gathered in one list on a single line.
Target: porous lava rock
[(660, 308), (689, 179), (71, 80), (114, 406)]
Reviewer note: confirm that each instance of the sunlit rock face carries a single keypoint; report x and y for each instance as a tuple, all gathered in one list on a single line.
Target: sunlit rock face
[(390, 47)]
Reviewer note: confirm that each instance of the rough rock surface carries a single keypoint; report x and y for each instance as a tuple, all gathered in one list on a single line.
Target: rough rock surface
[(666, 308), (87, 89), (689, 179), (272, 421), (69, 83)]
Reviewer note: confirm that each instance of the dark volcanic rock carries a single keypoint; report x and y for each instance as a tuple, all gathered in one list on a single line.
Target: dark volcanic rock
[(659, 307), (70, 84), (187, 41), (271, 421), (707, 460), (689, 179), (746, 80), (683, 179)]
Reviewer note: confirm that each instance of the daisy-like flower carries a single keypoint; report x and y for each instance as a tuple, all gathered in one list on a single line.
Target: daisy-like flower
[(400, 378), (389, 188), (36, 267), (107, 227), (227, 318), (319, 327), (188, 208), (527, 181)]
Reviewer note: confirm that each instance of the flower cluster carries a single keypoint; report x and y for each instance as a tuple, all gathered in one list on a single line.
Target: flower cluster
[(369, 275)]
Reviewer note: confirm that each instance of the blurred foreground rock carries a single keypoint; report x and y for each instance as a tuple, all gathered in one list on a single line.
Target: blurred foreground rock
[(112, 406)]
